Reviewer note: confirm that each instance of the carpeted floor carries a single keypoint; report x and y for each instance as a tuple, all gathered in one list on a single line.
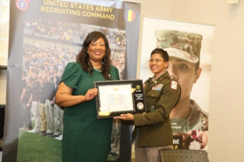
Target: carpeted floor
[(1, 143)]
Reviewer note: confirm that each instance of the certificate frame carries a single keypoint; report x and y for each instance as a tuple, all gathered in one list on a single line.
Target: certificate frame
[(119, 97)]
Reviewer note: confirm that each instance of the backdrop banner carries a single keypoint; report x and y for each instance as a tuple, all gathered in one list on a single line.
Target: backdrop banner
[(4, 32), (44, 36), (189, 46)]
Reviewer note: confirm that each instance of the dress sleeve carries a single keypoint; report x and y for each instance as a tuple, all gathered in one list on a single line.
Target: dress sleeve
[(71, 75), (114, 73), (117, 74)]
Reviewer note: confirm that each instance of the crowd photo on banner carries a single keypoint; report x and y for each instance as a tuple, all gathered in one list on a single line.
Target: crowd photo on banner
[(47, 48), (49, 35), (4, 31)]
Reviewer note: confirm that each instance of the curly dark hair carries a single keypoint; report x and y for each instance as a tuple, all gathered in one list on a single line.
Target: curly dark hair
[(83, 57)]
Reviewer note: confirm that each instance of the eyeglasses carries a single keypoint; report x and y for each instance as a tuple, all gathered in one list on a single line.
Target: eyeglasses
[(157, 61)]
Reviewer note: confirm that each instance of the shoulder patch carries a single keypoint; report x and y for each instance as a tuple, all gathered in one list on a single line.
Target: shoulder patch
[(173, 85)]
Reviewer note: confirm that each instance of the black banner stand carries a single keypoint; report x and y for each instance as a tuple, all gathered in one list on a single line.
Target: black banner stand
[(2, 112)]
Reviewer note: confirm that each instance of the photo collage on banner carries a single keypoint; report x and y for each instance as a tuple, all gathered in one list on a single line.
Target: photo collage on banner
[(45, 36), (189, 47)]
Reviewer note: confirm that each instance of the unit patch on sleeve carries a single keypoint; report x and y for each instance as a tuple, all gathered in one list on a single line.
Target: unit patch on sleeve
[(173, 85)]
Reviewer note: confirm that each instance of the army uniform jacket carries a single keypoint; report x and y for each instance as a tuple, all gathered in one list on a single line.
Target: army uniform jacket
[(153, 128)]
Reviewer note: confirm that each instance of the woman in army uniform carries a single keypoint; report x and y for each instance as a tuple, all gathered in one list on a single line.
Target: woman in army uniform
[(153, 130)]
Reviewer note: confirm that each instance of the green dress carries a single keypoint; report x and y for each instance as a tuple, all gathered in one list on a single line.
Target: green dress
[(85, 138)]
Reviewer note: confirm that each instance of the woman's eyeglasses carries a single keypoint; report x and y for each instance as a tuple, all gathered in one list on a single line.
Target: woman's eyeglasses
[(152, 60)]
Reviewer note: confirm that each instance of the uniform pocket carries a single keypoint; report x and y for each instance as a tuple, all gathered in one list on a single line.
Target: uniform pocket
[(153, 93)]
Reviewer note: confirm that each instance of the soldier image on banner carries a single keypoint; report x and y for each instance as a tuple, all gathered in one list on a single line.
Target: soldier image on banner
[(189, 121)]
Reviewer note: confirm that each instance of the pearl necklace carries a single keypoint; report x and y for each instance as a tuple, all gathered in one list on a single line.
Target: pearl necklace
[(98, 70)]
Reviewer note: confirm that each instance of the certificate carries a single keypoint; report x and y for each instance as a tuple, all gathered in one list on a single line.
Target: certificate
[(117, 97)]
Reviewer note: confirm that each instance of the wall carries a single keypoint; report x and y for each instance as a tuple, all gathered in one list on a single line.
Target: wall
[(227, 91), (226, 104)]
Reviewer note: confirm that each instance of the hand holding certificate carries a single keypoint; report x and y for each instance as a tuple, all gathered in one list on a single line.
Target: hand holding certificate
[(119, 97), (127, 116)]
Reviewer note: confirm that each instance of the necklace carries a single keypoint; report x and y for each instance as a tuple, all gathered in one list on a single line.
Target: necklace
[(98, 70)]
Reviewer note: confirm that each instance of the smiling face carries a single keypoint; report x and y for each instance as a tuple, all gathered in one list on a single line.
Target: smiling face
[(96, 50), (185, 73), (157, 64)]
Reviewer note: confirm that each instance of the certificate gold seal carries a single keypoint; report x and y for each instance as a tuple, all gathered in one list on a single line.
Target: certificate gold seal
[(140, 105)]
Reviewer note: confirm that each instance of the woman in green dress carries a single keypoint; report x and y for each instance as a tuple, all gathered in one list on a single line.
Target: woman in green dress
[(86, 138)]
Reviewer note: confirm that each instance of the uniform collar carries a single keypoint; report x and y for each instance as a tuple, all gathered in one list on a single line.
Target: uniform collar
[(152, 83), (165, 74)]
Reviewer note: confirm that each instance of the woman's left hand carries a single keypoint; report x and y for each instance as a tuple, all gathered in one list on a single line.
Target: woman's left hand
[(127, 116), (91, 93)]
